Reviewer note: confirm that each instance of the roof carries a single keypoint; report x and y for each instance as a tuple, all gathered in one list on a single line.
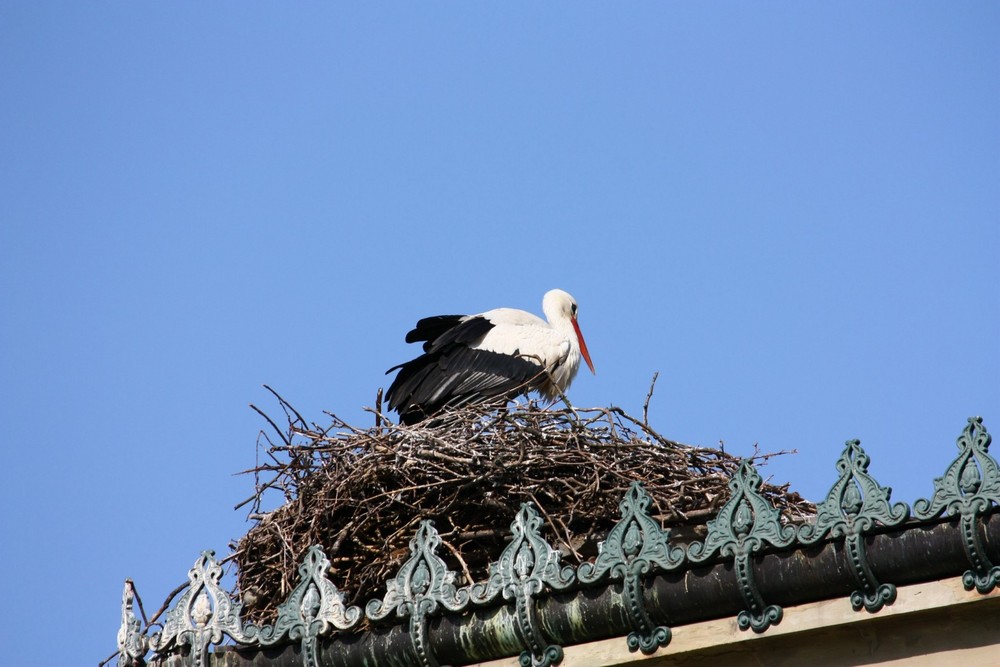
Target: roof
[(859, 551)]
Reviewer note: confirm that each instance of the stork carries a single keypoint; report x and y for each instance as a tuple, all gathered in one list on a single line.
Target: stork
[(500, 353)]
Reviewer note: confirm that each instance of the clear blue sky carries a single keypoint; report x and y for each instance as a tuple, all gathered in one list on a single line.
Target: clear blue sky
[(792, 212)]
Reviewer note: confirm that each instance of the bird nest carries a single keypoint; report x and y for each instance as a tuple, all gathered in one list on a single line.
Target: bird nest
[(362, 492)]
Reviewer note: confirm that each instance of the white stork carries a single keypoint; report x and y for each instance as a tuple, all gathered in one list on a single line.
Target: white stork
[(502, 352)]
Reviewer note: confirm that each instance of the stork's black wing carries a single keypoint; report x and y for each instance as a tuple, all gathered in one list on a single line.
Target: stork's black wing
[(451, 373), (430, 329)]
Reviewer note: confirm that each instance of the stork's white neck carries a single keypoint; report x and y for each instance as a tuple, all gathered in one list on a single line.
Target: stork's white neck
[(558, 307)]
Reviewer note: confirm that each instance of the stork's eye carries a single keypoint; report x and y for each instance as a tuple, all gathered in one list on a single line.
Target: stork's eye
[(573, 308)]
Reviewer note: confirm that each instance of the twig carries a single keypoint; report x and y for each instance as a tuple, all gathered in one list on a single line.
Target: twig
[(645, 406), (166, 603), (135, 594), (277, 430)]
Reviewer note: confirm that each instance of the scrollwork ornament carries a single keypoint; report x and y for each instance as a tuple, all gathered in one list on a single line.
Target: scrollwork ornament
[(854, 505), (132, 643), (314, 608), (423, 585), (744, 525), (527, 565), (969, 488), (635, 547), (203, 615)]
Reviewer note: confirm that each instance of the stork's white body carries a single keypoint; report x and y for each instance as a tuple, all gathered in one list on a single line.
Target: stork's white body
[(553, 344), (501, 352)]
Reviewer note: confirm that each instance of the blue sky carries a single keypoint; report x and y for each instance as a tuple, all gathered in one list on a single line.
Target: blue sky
[(791, 212)]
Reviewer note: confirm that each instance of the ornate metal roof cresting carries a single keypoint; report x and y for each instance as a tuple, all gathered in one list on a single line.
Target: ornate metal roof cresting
[(854, 504), (315, 608), (743, 526), (635, 547), (969, 488), (531, 604), (527, 565), (423, 585), (203, 615)]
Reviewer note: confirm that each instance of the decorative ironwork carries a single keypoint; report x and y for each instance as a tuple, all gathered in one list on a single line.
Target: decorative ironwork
[(634, 547), (314, 608), (132, 643), (855, 503), (528, 564), (423, 585), (204, 614), (744, 525), (969, 488)]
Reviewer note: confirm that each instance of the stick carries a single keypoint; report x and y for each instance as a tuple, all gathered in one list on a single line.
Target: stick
[(645, 406)]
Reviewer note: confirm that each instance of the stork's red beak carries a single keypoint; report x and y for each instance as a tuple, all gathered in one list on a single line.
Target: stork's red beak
[(583, 346)]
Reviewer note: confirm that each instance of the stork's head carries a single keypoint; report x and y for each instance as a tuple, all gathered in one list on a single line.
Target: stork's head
[(561, 306)]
